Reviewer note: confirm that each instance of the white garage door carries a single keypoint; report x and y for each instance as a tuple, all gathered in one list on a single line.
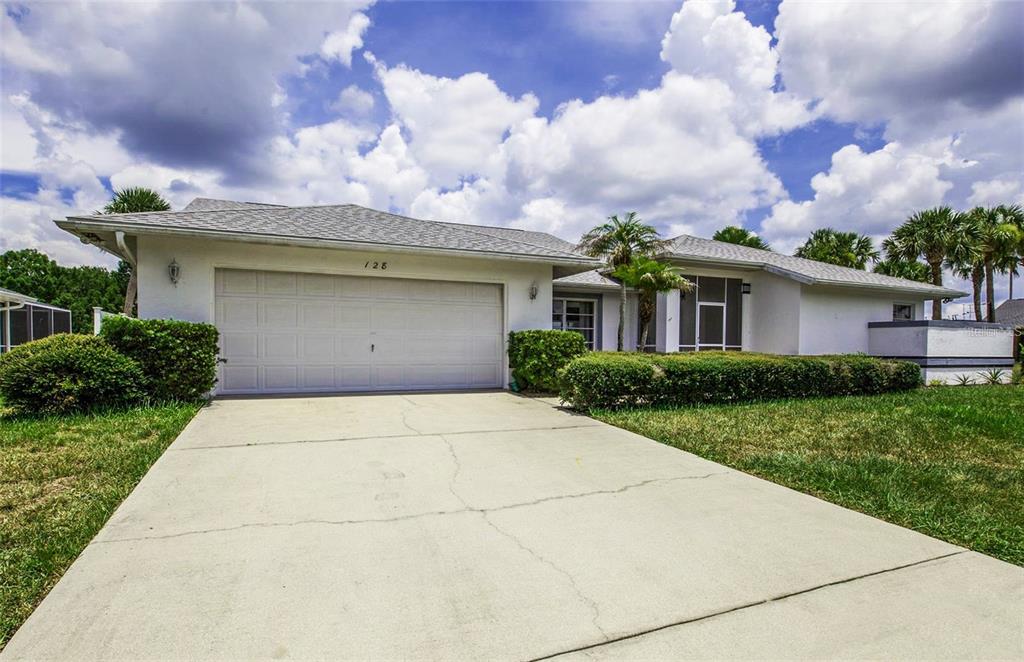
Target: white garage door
[(291, 333)]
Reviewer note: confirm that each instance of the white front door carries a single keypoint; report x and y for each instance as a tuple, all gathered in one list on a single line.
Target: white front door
[(293, 332)]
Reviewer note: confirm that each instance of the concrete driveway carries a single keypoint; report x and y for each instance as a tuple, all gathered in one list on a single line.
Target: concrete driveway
[(491, 526)]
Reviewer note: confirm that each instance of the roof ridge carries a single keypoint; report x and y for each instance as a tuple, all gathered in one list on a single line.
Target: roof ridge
[(468, 227)]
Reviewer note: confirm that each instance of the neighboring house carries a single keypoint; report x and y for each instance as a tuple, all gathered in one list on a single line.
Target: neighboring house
[(342, 297), (23, 318), (1011, 313)]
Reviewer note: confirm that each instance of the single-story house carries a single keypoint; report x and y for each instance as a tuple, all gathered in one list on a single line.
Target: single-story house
[(341, 297), (24, 318)]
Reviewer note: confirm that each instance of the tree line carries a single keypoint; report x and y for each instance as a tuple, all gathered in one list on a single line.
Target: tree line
[(977, 245)]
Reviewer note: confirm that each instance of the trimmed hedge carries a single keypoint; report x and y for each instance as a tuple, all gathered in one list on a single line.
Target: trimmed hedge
[(536, 356), (68, 373), (606, 380), (178, 358)]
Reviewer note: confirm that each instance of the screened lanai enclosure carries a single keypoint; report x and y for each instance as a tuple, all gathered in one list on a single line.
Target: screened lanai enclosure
[(23, 318)]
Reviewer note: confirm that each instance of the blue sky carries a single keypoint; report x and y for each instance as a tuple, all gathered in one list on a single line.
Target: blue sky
[(782, 116)]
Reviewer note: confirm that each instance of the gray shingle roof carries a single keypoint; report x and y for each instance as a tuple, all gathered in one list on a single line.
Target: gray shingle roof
[(686, 247), (213, 204), (1011, 312), (588, 279), (338, 223)]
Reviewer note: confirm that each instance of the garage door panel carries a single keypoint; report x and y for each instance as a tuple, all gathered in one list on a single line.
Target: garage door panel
[(291, 332), (317, 378), (280, 377), (237, 282), (276, 314), (238, 313), (275, 283), (350, 348), (317, 348), (240, 378), (280, 346), (317, 285), (242, 345)]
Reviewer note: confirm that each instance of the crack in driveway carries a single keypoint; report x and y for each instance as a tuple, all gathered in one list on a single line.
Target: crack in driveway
[(410, 516), (742, 607)]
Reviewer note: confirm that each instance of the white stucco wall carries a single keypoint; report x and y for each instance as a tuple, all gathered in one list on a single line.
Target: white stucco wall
[(192, 298), (773, 322), (835, 320)]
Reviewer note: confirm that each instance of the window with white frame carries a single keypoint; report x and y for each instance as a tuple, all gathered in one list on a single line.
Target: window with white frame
[(902, 312), (578, 315)]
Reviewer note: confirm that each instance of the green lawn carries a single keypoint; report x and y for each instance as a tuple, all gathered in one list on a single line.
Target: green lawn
[(946, 461), (60, 479)]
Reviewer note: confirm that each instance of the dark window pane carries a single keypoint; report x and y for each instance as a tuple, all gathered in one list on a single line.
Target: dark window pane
[(902, 311), (61, 321), (734, 312), (711, 289), (579, 321), (19, 326), (41, 326), (688, 315), (579, 307), (556, 322), (557, 305), (711, 325)]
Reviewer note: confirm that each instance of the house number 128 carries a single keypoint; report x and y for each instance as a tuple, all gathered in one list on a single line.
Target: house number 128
[(375, 265)]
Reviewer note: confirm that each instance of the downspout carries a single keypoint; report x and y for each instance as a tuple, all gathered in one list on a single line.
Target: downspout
[(133, 281), (125, 251)]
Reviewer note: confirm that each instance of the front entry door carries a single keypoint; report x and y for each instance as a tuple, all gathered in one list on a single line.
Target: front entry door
[(711, 326)]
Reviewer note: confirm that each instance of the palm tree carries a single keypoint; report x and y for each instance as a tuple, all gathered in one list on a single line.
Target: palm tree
[(998, 236), (901, 268), (650, 277), (130, 201), (618, 241), (1009, 248), (938, 235), (845, 249), (732, 234)]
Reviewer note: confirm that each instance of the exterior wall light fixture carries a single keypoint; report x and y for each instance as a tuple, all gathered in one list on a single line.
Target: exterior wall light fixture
[(174, 271)]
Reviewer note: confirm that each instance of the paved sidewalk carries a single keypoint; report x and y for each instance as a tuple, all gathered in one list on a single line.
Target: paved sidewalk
[(491, 526)]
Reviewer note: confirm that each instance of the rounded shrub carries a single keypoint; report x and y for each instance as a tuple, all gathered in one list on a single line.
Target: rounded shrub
[(535, 356), (178, 358), (68, 373)]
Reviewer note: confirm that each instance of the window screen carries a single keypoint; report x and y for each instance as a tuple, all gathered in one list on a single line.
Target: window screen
[(19, 326), (61, 321), (711, 289), (902, 311), (41, 325), (734, 312), (688, 316)]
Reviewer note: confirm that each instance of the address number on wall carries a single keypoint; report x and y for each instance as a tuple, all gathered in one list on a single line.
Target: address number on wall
[(371, 264)]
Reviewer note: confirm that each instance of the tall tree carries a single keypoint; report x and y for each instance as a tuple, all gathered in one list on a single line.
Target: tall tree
[(131, 201), (649, 277), (901, 268), (1009, 245), (844, 249), (733, 234), (938, 235), (78, 289), (617, 241)]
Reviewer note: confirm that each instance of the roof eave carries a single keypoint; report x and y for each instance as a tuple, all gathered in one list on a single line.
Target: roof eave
[(73, 223), (930, 292)]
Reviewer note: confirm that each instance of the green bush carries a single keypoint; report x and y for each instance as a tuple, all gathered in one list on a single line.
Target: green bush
[(68, 373), (536, 356), (605, 379), (178, 358)]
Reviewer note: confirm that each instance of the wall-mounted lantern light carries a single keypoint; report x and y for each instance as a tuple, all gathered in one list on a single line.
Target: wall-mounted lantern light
[(174, 271), (745, 288), (533, 290)]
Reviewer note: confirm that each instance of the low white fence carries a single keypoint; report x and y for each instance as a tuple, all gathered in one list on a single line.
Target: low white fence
[(98, 315)]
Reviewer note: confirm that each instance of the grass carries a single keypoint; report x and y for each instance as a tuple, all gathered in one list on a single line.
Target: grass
[(946, 461), (60, 480)]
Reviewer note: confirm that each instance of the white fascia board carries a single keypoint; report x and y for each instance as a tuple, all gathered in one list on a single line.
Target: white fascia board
[(71, 224)]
